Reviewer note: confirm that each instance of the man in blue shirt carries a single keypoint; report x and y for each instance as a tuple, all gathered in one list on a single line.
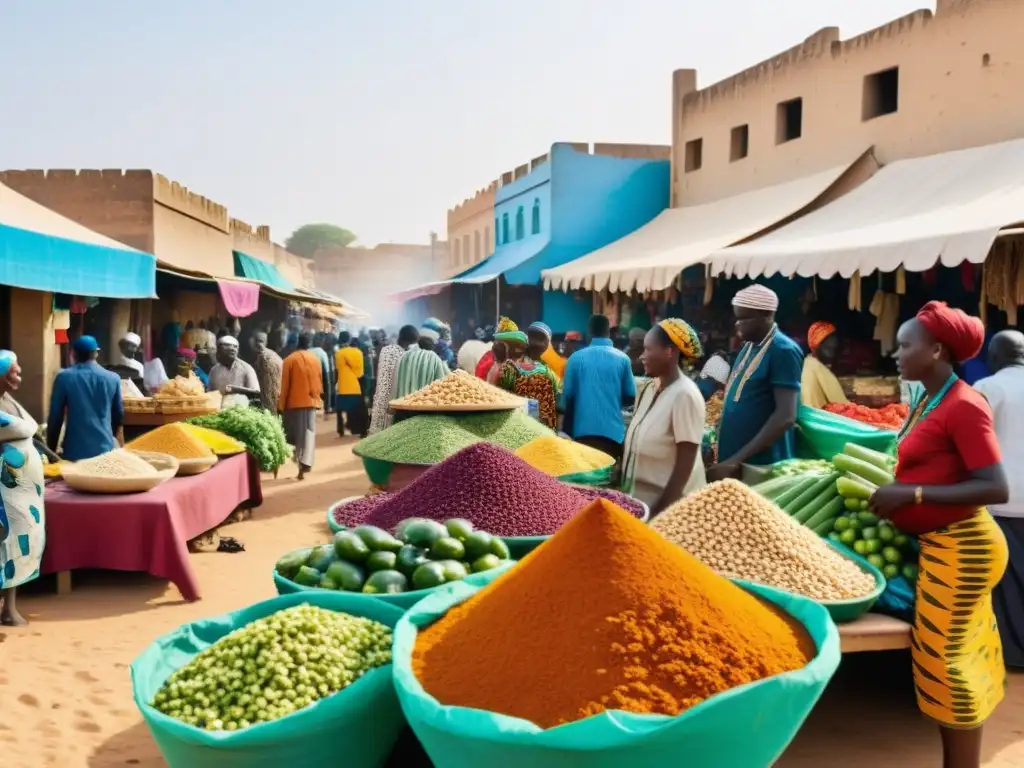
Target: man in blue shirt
[(763, 391), (598, 383), (91, 398)]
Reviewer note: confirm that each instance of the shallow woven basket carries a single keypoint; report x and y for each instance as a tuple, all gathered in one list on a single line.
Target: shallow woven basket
[(183, 404), (166, 466), (195, 466), (398, 405), (139, 405)]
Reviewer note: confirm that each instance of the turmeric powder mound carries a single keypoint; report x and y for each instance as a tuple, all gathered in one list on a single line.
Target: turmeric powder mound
[(606, 615), (174, 440)]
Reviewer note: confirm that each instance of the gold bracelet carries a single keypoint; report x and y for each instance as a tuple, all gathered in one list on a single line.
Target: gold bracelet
[(918, 495)]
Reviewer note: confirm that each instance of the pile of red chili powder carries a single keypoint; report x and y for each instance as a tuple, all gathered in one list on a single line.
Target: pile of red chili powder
[(489, 486)]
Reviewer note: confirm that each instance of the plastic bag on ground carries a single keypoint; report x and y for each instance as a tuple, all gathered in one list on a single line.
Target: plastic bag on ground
[(356, 727), (767, 713)]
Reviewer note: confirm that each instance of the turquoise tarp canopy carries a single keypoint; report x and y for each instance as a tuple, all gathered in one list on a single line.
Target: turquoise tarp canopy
[(256, 269), (43, 251)]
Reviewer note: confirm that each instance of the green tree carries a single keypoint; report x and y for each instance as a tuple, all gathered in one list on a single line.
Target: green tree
[(309, 238)]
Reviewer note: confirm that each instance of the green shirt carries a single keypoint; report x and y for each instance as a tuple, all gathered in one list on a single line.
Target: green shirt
[(417, 369)]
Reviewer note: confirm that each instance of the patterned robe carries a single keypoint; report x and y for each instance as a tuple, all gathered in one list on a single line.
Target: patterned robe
[(22, 519)]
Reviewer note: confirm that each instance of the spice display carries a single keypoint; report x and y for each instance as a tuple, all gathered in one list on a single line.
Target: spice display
[(663, 632), (741, 535), (489, 486), (273, 667), (459, 389), (260, 431), (556, 456), (180, 387), (421, 555), (713, 409), (174, 440), (218, 442), (116, 463), (889, 417), (430, 439)]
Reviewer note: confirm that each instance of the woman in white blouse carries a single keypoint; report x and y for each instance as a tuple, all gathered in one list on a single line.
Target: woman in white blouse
[(662, 450)]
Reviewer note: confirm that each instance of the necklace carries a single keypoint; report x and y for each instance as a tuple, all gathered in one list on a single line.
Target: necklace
[(749, 370), (925, 406)]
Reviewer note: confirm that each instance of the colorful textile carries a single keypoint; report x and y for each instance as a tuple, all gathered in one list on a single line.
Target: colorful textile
[(961, 334), (485, 364), (239, 299), (86, 403), (955, 645), (508, 331), (683, 336), (387, 367), (417, 368), (598, 382), (817, 333), (818, 385), (757, 297), (269, 367), (775, 363), (302, 383), (22, 514), (349, 362), (944, 447), (1008, 596), (539, 326), (532, 380)]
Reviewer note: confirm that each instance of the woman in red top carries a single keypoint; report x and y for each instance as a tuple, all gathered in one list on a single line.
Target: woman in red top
[(949, 469)]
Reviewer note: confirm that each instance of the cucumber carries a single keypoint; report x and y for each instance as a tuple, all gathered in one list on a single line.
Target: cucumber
[(875, 458), (825, 528), (858, 479), (785, 498), (827, 514), (852, 490), (812, 491), (869, 472), (770, 489), (811, 508)]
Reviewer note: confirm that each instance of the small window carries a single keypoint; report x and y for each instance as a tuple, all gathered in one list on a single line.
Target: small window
[(476, 246), (520, 224), (789, 121), (694, 155), (466, 255), (456, 252), (739, 143), (881, 93), (487, 240), (497, 229), (504, 228), (535, 217)]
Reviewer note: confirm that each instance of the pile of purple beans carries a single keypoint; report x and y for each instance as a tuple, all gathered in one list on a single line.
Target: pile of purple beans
[(489, 486)]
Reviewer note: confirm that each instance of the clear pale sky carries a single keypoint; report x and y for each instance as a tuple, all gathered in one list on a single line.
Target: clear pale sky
[(377, 116)]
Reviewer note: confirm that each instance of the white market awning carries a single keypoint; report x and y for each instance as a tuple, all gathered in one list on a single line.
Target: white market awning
[(653, 256), (944, 208)]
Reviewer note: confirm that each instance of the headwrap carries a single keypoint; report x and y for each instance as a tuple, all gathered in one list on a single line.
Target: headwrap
[(716, 368), (7, 359), (186, 353), (509, 331), (227, 341), (132, 338), (961, 334), (541, 328), (573, 336), (817, 333), (757, 297), (429, 333), (440, 327), (683, 336)]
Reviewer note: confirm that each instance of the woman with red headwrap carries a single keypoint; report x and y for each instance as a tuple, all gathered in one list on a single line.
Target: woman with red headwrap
[(818, 385), (949, 470)]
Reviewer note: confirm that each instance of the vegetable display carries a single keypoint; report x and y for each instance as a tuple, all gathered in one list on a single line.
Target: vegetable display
[(273, 667), (260, 431), (889, 417), (800, 467), (735, 531), (421, 555)]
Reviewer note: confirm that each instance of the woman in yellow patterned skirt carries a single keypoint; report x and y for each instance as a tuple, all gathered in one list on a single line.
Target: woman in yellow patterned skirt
[(949, 469)]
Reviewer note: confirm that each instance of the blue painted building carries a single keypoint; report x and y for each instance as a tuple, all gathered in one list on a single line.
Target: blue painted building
[(558, 209)]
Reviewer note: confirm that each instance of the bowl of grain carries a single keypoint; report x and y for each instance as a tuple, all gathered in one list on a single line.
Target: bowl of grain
[(120, 471)]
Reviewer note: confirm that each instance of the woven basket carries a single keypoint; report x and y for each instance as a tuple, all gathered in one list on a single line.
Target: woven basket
[(397, 405), (140, 405), (183, 404), (166, 466), (195, 466)]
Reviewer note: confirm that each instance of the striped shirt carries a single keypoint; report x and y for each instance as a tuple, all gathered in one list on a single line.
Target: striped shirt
[(387, 365), (417, 369)]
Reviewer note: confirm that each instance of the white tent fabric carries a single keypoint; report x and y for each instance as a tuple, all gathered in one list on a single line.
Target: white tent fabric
[(651, 257), (947, 207)]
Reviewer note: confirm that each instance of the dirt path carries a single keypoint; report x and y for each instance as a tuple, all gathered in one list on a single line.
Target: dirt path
[(65, 693)]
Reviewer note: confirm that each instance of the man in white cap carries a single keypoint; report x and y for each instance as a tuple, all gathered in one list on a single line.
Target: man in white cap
[(763, 391), (231, 376), (128, 347)]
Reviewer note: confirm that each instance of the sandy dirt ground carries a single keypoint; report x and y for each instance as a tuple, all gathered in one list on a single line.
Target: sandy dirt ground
[(65, 693)]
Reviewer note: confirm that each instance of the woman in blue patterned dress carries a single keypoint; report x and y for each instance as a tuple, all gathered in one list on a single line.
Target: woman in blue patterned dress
[(22, 521)]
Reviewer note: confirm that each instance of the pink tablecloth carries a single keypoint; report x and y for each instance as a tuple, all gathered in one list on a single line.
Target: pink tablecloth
[(143, 531)]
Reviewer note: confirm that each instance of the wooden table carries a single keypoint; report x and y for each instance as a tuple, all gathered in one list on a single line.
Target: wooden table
[(874, 632)]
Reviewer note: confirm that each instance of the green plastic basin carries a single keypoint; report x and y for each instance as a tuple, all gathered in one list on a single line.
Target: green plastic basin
[(844, 611)]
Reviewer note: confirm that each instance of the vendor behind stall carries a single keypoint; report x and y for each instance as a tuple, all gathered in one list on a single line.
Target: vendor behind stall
[(125, 364), (818, 385), (232, 377), (763, 392), (185, 360)]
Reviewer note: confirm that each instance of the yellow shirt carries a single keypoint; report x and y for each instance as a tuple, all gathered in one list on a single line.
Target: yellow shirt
[(818, 385), (349, 362), (554, 361)]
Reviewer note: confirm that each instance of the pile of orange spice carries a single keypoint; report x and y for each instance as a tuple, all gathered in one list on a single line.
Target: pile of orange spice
[(605, 615)]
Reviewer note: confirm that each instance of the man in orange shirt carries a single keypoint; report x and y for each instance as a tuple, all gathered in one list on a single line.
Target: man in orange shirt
[(302, 392)]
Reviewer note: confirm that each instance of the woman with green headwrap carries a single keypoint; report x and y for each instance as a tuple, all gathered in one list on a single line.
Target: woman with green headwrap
[(22, 522), (521, 375), (661, 456)]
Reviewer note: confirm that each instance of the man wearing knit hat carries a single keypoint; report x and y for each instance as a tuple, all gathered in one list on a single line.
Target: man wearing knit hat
[(763, 391)]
